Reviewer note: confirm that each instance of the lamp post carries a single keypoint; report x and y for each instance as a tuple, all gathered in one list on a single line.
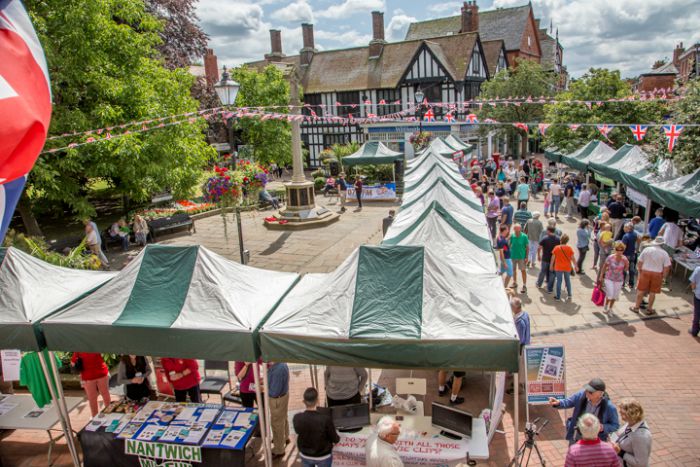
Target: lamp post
[(227, 90), (419, 100)]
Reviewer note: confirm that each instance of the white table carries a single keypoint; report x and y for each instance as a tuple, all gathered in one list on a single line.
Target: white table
[(420, 443), (15, 419)]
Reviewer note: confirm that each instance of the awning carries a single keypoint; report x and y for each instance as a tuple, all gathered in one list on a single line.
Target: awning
[(596, 151), (395, 307), (373, 152), (681, 194), (172, 301), (30, 289)]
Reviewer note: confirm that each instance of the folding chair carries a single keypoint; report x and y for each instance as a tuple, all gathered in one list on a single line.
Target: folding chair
[(163, 387), (215, 384)]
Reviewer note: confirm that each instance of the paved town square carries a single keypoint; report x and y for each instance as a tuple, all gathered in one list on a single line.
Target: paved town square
[(346, 233)]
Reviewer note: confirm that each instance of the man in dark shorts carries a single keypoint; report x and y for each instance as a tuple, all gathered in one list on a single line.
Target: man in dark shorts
[(455, 399)]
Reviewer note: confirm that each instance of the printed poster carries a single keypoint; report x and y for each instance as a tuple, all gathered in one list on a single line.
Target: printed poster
[(381, 192), (545, 373)]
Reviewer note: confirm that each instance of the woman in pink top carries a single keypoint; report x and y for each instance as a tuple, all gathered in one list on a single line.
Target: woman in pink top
[(613, 272), (246, 381)]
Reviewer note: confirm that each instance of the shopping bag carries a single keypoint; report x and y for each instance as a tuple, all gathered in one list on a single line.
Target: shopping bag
[(598, 296)]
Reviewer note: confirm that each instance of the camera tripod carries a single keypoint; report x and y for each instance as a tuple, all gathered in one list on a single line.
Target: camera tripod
[(522, 458)]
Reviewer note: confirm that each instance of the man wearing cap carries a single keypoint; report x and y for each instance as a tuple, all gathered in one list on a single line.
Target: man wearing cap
[(653, 264), (591, 399)]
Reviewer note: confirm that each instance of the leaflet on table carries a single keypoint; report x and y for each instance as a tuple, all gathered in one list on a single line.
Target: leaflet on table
[(6, 406), (104, 419), (232, 429)]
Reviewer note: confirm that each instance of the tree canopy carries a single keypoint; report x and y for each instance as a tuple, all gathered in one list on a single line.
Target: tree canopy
[(105, 70), (598, 84), (270, 140), (687, 110), (528, 78)]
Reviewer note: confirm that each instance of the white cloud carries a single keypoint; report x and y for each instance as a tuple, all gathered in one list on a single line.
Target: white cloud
[(398, 25), (351, 7), (446, 8), (298, 11), (349, 38)]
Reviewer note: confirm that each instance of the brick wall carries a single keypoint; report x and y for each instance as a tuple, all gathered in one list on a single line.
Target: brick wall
[(651, 82)]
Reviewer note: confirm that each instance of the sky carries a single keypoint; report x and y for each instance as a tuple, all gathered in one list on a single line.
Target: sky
[(627, 35)]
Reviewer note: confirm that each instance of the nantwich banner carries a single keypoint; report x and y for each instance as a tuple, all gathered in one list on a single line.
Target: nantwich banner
[(181, 455)]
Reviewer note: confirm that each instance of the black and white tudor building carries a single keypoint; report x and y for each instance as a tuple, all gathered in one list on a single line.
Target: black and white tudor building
[(446, 69)]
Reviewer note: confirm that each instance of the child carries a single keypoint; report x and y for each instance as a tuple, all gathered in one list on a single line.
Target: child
[(547, 201)]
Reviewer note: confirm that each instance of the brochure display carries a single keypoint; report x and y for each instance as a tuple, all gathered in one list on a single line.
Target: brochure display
[(545, 373), (161, 432)]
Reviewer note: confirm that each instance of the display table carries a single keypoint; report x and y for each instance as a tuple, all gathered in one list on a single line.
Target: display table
[(20, 412), (183, 434), (420, 443), (686, 258)]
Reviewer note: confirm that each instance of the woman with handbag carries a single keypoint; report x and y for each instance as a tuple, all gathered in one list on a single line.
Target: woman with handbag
[(94, 377), (563, 264), (612, 275)]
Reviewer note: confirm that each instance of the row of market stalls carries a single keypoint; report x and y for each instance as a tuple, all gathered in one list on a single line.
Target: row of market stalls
[(630, 166), (428, 297)]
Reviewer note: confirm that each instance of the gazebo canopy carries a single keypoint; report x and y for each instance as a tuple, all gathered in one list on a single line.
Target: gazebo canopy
[(553, 154), (681, 194), (594, 150), (30, 289), (373, 152), (395, 307), (172, 301)]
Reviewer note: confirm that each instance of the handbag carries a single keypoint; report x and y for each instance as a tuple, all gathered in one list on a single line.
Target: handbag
[(573, 270), (598, 296)]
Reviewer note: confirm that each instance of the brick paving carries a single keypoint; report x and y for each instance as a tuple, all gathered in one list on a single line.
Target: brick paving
[(652, 359)]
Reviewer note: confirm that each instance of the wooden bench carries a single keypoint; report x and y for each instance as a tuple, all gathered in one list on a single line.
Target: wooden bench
[(178, 221)]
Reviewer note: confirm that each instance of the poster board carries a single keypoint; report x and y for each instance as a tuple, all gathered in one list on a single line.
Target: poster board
[(379, 192), (545, 373)]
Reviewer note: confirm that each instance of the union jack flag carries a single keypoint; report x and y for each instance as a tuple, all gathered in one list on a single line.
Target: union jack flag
[(368, 102), (429, 116), (672, 132), (639, 131), (371, 115), (522, 126), (574, 126), (25, 104), (471, 118), (543, 128), (449, 117), (382, 102)]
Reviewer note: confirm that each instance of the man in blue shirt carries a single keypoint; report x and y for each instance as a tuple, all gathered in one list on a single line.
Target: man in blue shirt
[(278, 391), (695, 285), (630, 239), (591, 399), (506, 212), (656, 223)]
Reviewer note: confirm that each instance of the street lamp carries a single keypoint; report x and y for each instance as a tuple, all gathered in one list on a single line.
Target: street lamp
[(419, 100), (227, 90)]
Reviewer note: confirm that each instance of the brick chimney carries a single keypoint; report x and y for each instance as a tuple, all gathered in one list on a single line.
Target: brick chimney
[(677, 52), (275, 46), (307, 52), (376, 45), (211, 67), (470, 17)]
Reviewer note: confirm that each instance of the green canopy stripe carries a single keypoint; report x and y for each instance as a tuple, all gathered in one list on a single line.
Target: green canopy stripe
[(388, 293), (480, 242), (607, 169), (575, 160), (450, 187), (167, 270), (418, 183)]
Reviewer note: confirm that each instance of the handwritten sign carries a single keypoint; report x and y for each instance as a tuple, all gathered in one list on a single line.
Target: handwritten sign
[(350, 451)]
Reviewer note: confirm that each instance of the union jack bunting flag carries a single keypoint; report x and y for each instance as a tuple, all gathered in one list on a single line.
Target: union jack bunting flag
[(604, 129), (574, 126), (672, 132), (429, 116), (471, 118), (449, 117), (368, 102), (639, 131), (543, 128), (371, 115), (522, 126)]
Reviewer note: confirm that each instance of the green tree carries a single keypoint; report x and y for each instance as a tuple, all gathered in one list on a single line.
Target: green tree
[(106, 70), (598, 84), (271, 140), (686, 153), (528, 78)]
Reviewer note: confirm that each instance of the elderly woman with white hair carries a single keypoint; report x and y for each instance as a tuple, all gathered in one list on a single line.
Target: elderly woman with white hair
[(633, 444), (534, 230), (380, 450), (590, 451)]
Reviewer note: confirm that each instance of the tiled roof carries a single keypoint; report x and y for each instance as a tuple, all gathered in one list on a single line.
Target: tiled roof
[(492, 50), (352, 70), (507, 24), (548, 45), (667, 69)]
